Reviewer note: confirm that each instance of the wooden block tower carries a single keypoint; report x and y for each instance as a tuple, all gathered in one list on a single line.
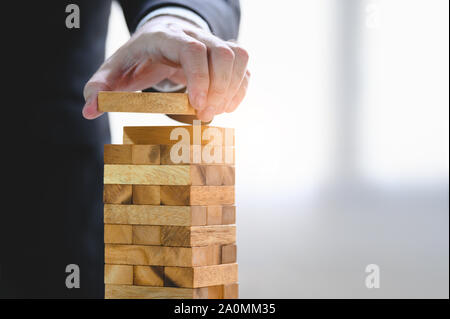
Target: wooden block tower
[(169, 223)]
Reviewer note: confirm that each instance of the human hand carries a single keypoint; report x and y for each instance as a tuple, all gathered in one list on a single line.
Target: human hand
[(166, 47)]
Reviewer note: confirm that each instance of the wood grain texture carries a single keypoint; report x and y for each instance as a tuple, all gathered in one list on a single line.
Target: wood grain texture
[(218, 175), (119, 274), (214, 215), (228, 215), (145, 154), (147, 174), (117, 154), (155, 215), (211, 195), (148, 276), (193, 174), (144, 292), (146, 195), (157, 135), (117, 194), (194, 277), (229, 254), (118, 234), (231, 291), (215, 155), (198, 235), (145, 102), (146, 235), (139, 255), (197, 195)]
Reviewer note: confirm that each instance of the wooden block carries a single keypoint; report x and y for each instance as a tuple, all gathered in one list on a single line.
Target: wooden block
[(228, 215), (117, 194), (145, 292), (212, 292), (217, 175), (146, 235), (203, 155), (214, 215), (214, 254), (117, 154), (145, 154), (176, 195), (147, 174), (119, 274), (212, 235), (229, 254), (155, 215), (195, 236), (148, 276), (175, 236), (158, 255), (155, 135), (211, 195), (194, 277), (197, 195), (118, 234), (231, 291), (146, 195), (145, 102), (197, 175)]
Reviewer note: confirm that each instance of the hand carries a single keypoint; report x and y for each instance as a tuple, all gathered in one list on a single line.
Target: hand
[(214, 71)]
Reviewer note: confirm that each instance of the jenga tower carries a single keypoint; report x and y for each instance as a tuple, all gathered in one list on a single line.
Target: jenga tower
[(169, 215)]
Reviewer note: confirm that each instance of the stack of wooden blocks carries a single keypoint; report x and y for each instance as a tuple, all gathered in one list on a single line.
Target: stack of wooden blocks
[(169, 227)]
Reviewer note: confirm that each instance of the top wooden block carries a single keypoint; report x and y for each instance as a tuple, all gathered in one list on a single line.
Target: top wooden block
[(145, 102)]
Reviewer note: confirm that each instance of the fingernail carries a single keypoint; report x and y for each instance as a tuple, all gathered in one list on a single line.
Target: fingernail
[(201, 101)]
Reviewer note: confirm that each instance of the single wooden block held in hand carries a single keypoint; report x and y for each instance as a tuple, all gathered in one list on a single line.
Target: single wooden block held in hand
[(117, 194), (194, 277), (145, 102), (119, 274)]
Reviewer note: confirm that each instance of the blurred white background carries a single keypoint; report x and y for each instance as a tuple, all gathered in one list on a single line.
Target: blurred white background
[(342, 147)]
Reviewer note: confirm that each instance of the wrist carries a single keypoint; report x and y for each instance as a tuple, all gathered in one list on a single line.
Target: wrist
[(167, 20)]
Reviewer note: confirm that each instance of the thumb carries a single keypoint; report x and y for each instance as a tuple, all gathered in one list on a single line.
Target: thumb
[(91, 89)]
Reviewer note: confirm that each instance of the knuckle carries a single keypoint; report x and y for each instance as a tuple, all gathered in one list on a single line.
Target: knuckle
[(241, 53), (195, 47), (225, 53)]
